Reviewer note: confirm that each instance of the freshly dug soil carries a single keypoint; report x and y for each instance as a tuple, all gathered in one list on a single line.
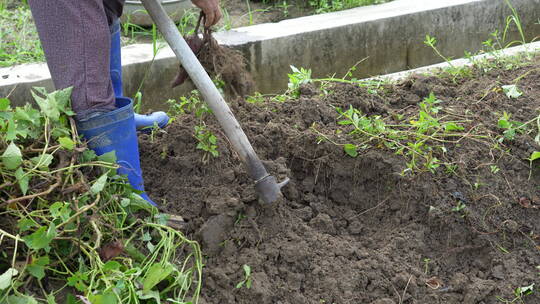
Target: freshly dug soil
[(356, 230)]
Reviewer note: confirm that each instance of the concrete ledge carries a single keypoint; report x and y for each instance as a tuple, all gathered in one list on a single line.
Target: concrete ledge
[(513, 51), (389, 37)]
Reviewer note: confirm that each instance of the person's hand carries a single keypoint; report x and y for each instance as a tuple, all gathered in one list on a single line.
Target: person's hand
[(211, 10)]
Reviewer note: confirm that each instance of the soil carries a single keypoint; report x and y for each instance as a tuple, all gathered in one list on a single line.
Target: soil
[(356, 230)]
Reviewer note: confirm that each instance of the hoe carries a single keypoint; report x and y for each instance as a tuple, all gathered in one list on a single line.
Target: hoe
[(266, 185)]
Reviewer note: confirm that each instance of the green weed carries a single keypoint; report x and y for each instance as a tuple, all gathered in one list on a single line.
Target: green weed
[(325, 6), (206, 140), (297, 78), (77, 223), (247, 277), (418, 138), (19, 41), (519, 294), (456, 72)]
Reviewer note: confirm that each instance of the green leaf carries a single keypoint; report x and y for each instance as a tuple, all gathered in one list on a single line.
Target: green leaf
[(24, 299), (106, 298), (111, 265), (4, 104), (43, 160), (146, 237), (12, 157), (5, 278), (534, 156), (41, 238), (37, 268), (22, 179), (511, 91), (152, 294), (98, 186), (88, 155), (25, 224), (247, 270), (11, 132), (504, 124), (155, 274), (344, 122), (124, 202), (109, 157), (77, 280), (70, 299), (60, 210), (66, 143), (453, 127), (47, 105), (351, 150), (63, 98)]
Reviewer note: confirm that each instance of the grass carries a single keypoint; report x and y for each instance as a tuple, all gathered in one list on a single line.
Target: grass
[(19, 42), (71, 226), (325, 6)]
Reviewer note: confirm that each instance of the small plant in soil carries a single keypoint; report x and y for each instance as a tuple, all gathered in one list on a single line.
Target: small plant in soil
[(511, 128), (519, 294), (247, 278), (426, 265), (73, 228), (297, 78), (206, 140), (456, 72), (420, 137)]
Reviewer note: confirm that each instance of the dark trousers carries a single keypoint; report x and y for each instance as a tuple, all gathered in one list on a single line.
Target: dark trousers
[(76, 40)]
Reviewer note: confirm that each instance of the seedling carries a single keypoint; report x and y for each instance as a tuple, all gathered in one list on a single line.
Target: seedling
[(426, 265), (459, 207), (247, 277), (297, 78), (455, 71), (207, 142), (494, 169), (519, 294), (418, 138), (511, 127)]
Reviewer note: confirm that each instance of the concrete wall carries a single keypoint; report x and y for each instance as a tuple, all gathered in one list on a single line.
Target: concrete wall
[(387, 37)]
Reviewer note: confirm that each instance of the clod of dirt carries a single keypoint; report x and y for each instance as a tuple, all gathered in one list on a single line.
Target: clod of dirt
[(220, 62), (111, 250), (214, 232), (228, 65)]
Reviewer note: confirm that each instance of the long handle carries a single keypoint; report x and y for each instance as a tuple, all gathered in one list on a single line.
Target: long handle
[(265, 184)]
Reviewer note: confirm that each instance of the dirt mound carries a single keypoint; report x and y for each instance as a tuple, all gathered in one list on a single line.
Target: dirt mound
[(357, 230), (220, 62)]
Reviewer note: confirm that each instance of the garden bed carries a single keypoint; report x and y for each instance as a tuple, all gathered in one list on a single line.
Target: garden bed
[(418, 198)]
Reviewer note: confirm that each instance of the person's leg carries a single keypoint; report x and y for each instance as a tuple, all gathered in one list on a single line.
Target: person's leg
[(76, 39), (144, 123)]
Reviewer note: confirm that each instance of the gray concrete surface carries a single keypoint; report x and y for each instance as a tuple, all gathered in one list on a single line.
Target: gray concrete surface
[(388, 38)]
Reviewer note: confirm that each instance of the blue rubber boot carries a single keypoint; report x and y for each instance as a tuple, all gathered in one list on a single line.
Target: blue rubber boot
[(115, 131), (142, 122)]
